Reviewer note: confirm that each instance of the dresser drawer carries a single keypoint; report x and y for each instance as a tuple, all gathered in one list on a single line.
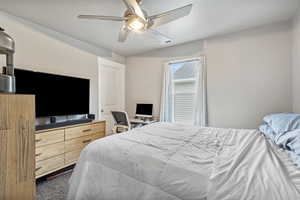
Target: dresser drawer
[(77, 143), (72, 156), (79, 131), (49, 137), (99, 127), (98, 135), (48, 151), (48, 165)]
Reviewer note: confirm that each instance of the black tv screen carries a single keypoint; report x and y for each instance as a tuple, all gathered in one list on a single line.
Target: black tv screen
[(55, 95)]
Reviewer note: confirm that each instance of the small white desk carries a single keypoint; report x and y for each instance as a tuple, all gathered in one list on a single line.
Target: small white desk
[(140, 122)]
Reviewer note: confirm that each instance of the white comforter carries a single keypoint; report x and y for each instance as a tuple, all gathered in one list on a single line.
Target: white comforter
[(169, 161), (155, 162), (248, 168)]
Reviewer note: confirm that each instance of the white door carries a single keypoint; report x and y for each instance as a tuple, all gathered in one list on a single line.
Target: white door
[(111, 90)]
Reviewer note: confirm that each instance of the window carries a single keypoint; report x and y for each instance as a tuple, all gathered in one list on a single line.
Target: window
[(183, 97), (184, 83)]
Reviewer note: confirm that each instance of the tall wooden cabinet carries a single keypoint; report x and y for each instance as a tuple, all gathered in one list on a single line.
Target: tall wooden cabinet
[(17, 147)]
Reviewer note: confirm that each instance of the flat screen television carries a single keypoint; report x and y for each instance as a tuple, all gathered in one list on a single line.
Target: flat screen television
[(55, 95)]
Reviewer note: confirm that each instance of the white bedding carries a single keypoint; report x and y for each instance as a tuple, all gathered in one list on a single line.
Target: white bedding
[(169, 161), (159, 161), (248, 168), (292, 170)]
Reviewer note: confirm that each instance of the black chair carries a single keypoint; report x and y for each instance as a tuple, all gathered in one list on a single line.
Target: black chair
[(122, 123)]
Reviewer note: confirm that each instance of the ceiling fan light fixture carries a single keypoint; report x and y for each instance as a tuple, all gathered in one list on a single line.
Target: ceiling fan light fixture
[(136, 24), (135, 19)]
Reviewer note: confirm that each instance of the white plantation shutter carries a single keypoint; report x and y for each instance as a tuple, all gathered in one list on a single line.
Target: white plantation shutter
[(184, 105), (184, 100)]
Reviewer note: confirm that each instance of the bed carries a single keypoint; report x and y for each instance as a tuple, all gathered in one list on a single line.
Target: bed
[(165, 161)]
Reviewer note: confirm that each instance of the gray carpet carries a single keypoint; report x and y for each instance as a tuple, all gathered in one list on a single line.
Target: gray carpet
[(53, 189)]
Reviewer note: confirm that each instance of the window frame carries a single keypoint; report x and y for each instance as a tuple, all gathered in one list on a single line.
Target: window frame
[(199, 59)]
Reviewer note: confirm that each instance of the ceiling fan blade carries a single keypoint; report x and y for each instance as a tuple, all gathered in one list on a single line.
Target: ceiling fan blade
[(171, 15), (134, 7), (100, 17), (124, 32), (159, 36)]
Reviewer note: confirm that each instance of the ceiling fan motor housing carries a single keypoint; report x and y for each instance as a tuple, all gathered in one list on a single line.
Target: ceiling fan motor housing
[(132, 17)]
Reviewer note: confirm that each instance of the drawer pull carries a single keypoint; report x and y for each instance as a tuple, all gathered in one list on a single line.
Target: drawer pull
[(38, 154), (86, 141), (38, 140), (86, 130), (37, 169)]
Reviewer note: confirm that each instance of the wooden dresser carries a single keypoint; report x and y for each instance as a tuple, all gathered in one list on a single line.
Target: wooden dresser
[(60, 147)]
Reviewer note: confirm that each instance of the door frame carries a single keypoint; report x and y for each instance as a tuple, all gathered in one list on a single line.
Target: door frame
[(101, 62)]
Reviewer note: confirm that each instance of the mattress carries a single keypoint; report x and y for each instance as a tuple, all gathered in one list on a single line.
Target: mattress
[(164, 161)]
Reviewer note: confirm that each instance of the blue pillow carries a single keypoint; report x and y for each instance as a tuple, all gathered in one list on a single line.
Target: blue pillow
[(283, 122), (289, 141), (284, 130), (268, 131)]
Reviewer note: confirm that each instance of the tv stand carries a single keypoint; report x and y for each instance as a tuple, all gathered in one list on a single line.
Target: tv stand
[(58, 148), (62, 124)]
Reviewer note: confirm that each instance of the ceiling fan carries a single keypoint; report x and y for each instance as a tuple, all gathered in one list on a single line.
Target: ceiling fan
[(136, 19)]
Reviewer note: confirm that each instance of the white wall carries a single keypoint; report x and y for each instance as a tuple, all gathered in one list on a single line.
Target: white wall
[(296, 64), (248, 75), (37, 51)]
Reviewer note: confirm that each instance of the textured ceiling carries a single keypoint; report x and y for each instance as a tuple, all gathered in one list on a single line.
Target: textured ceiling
[(208, 18)]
